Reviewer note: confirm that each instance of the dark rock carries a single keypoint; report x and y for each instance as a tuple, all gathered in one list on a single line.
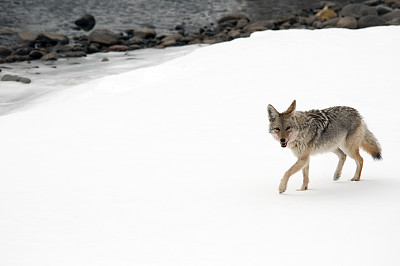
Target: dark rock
[(93, 48), (35, 54), (285, 26), (134, 47), (233, 16), (27, 37), (392, 15), (382, 9), (105, 37), (118, 48), (22, 51), (370, 21), (86, 22), (8, 77), (50, 57), (347, 22), (147, 33), (357, 11), (105, 59), (51, 39), (4, 51)]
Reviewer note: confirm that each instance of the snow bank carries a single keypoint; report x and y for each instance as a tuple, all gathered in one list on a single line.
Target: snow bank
[(172, 164)]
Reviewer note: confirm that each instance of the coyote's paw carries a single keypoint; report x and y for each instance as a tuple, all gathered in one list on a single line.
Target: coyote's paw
[(355, 179), (282, 187), (336, 176), (303, 188)]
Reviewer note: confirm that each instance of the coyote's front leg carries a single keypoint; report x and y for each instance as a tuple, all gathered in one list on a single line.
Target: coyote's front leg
[(301, 162)]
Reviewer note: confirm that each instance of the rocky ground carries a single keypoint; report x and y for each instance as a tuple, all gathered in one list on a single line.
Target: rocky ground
[(50, 46)]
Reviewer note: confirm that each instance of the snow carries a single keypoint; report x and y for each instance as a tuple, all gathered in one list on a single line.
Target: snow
[(172, 164)]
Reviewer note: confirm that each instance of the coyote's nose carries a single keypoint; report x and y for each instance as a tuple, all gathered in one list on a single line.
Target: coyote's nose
[(283, 140)]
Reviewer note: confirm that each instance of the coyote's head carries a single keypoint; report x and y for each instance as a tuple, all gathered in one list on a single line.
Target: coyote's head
[(283, 126)]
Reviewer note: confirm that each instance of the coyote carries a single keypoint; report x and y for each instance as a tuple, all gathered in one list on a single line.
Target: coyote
[(339, 129)]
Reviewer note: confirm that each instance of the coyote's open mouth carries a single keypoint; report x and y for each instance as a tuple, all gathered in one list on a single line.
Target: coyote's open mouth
[(284, 144)]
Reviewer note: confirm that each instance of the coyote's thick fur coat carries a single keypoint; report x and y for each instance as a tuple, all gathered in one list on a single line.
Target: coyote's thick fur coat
[(337, 129)]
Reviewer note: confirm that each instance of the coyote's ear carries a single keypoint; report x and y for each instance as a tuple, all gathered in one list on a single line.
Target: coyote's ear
[(291, 109), (272, 113)]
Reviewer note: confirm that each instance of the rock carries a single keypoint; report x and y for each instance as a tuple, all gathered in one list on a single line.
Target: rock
[(233, 34), (357, 11), (105, 59), (326, 14), (27, 37), (145, 33), (347, 22), (242, 23), (22, 51), (259, 26), (308, 21), (395, 21), (172, 39), (370, 21), (86, 22), (51, 39), (329, 23), (392, 15), (118, 48), (93, 48), (35, 54), (234, 16), (8, 77), (392, 3), (50, 57), (105, 37), (382, 9), (4, 51)]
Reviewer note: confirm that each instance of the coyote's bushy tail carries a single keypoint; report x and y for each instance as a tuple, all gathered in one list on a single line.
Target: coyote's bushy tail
[(371, 145)]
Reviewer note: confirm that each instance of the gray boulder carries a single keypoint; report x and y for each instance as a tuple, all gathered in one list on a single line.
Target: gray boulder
[(146, 33), (27, 37), (347, 23), (382, 9), (370, 21), (105, 37), (51, 39), (395, 14), (357, 11), (8, 77)]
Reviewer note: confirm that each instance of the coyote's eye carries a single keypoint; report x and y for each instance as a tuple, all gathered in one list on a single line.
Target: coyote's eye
[(277, 129), (288, 128)]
